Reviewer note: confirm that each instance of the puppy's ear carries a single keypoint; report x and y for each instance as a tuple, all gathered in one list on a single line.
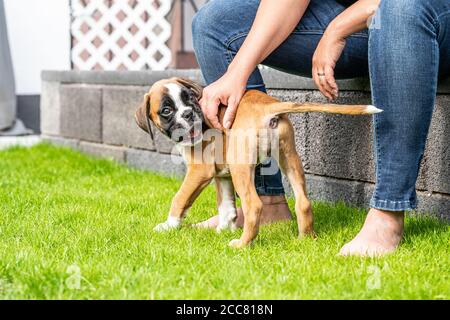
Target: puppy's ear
[(141, 114), (192, 85)]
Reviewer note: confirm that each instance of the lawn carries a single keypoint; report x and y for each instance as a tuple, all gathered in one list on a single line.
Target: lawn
[(74, 227)]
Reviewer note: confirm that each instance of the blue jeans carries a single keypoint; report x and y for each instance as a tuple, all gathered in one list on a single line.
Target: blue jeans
[(411, 41), (407, 56)]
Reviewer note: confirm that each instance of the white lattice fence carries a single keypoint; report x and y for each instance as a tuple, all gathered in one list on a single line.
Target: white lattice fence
[(120, 34)]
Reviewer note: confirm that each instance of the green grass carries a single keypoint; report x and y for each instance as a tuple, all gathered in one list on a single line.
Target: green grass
[(61, 211)]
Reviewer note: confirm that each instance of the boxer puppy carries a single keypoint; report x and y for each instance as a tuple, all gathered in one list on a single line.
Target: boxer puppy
[(261, 129)]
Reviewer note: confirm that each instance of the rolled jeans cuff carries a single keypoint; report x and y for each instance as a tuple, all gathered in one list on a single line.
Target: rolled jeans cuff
[(389, 205)]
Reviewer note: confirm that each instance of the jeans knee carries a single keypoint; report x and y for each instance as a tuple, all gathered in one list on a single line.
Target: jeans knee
[(199, 25), (208, 17), (219, 18), (399, 9)]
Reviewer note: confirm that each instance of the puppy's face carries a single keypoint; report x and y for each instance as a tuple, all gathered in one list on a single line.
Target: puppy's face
[(172, 106)]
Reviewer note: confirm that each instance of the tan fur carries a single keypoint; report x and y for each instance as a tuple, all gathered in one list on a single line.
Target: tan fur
[(254, 111), (289, 107)]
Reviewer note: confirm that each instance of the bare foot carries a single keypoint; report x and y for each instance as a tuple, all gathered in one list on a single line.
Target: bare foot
[(275, 208), (380, 235)]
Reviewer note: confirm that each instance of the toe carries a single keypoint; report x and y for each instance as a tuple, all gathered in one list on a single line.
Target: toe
[(211, 223), (345, 250), (353, 248), (221, 228), (378, 251), (364, 249)]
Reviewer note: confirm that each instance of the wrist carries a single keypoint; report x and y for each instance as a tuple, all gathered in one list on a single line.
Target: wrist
[(240, 71), (335, 31)]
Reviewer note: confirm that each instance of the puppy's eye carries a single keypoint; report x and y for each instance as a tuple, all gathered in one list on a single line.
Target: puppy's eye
[(192, 95), (166, 111)]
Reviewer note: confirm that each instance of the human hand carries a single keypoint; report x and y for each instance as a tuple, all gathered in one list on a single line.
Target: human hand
[(327, 53), (228, 90)]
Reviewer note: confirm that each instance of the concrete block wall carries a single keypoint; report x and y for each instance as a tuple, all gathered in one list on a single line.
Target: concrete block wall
[(94, 112)]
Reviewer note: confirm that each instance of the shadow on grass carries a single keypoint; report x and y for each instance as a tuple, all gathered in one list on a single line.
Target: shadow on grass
[(331, 217), (334, 218), (424, 225)]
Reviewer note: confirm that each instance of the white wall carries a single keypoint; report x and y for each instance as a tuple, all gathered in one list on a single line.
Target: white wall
[(39, 36), (189, 11)]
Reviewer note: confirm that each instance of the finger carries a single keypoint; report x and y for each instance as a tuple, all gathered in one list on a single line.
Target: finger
[(316, 78), (331, 81), (203, 104), (211, 113), (214, 120), (321, 80), (326, 86), (230, 112)]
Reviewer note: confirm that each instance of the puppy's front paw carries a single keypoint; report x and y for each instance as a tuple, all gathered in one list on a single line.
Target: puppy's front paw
[(237, 243), (163, 227), (170, 224)]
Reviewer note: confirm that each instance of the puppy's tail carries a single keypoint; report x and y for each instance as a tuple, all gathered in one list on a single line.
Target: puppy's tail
[(289, 107)]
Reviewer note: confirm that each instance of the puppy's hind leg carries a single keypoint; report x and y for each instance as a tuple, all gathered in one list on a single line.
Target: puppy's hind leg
[(291, 165), (292, 168), (243, 180), (226, 204)]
